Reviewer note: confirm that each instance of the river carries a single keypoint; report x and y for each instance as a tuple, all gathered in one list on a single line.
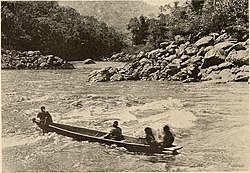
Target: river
[(210, 121)]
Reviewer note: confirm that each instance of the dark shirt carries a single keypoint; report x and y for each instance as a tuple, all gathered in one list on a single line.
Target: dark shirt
[(45, 117), (115, 133), (150, 139), (168, 140)]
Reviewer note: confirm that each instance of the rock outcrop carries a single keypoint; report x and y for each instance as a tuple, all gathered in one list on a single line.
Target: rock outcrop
[(213, 57), (31, 60)]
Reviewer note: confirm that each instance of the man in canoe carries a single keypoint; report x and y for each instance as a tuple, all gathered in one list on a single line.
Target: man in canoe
[(150, 139), (168, 138), (115, 133), (44, 116)]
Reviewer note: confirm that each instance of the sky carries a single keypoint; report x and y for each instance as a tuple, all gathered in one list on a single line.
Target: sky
[(162, 2), (152, 2)]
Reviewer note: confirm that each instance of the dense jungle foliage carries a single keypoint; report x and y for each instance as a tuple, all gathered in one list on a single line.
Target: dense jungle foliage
[(191, 21), (52, 29), (62, 31)]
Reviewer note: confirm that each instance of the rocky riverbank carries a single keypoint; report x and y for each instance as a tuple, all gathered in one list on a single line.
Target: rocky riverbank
[(31, 60), (216, 56)]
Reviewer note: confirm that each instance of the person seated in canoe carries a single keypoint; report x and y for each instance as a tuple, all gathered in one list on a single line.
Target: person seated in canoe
[(150, 139), (44, 116), (115, 133), (168, 138)]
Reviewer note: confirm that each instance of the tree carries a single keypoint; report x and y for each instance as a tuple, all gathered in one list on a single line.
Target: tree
[(52, 29), (139, 29)]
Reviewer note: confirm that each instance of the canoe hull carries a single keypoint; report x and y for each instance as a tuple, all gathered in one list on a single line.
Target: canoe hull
[(84, 134)]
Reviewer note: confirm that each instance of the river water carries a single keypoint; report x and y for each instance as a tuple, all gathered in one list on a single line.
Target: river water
[(210, 121)]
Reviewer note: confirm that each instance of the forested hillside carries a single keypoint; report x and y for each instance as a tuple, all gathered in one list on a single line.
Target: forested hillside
[(191, 21), (52, 29), (115, 13)]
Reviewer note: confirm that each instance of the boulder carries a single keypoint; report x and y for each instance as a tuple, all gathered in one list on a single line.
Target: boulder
[(164, 44), (147, 70), (43, 64), (20, 65), (204, 41), (140, 55), (214, 35), (214, 67), (221, 38), (237, 46), (195, 59), (223, 45), (171, 49), (190, 80), (170, 58), (244, 68), (181, 50), (212, 76), (185, 57), (179, 39), (225, 65), (117, 77), (213, 57), (98, 78), (208, 48), (172, 69), (144, 61), (177, 61), (185, 63), (191, 50), (152, 54), (238, 58), (201, 51), (89, 61), (227, 75), (242, 77), (235, 70)]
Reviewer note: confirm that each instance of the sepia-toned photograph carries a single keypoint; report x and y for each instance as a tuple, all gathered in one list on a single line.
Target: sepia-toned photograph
[(125, 86)]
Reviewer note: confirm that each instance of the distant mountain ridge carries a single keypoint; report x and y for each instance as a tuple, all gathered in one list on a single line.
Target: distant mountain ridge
[(115, 13)]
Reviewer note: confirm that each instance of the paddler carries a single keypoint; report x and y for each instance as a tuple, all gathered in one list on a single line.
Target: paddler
[(115, 133), (168, 138), (44, 116), (150, 139)]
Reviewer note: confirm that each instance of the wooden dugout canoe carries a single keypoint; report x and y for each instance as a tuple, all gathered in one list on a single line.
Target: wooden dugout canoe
[(132, 144)]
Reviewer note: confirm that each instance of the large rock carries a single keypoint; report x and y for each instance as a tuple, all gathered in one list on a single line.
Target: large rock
[(171, 49), (32, 60), (191, 50), (179, 39), (140, 55), (170, 58), (147, 69), (102, 75), (244, 68), (214, 57), (223, 45), (238, 46), (225, 65), (242, 77), (222, 38), (185, 57), (164, 44), (152, 54), (212, 76), (227, 75), (238, 58), (204, 41), (89, 61), (117, 77)]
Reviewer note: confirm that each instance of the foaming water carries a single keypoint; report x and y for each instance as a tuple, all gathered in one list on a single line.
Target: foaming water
[(210, 121)]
